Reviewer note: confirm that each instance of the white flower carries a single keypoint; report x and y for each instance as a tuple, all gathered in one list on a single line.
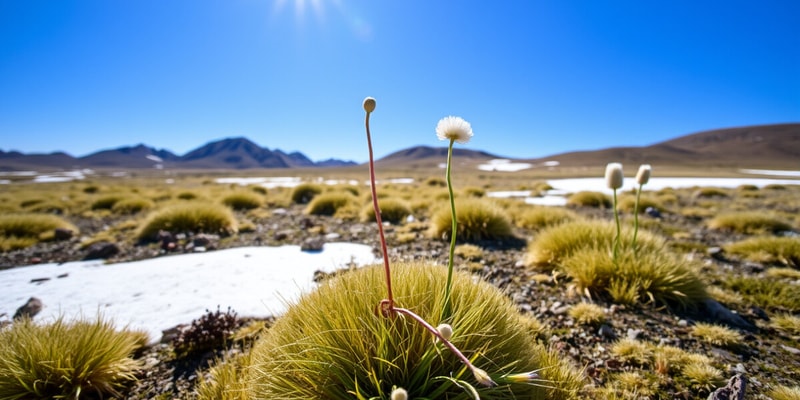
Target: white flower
[(369, 104), (445, 330), (454, 128), (643, 176), (614, 175), (399, 394)]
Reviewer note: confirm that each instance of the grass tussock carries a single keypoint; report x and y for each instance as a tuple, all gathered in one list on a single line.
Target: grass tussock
[(69, 360), (21, 230), (589, 199), (786, 322), (536, 218), (769, 250), (710, 192), (228, 380), (243, 200), (769, 294), (392, 210), (469, 252), (628, 203), (782, 392), (329, 203), (106, 202), (132, 205), (193, 217), (363, 355), (749, 222), (588, 314), (477, 220), (717, 335), (305, 192)]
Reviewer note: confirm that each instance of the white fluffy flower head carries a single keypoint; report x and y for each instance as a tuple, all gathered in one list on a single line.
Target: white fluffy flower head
[(643, 176), (454, 128), (614, 175), (399, 394)]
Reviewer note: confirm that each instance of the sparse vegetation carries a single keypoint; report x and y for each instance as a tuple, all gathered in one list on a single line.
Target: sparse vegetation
[(536, 218), (588, 314), (478, 220), (769, 294), (106, 202), (329, 203), (25, 229), (132, 205), (717, 335), (189, 217), (69, 360), (787, 322), (782, 392), (469, 252)]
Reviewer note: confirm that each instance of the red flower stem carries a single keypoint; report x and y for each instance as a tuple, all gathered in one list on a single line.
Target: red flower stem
[(378, 218), (436, 333)]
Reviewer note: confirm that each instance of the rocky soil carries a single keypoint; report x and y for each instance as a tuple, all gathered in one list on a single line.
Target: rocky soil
[(767, 357)]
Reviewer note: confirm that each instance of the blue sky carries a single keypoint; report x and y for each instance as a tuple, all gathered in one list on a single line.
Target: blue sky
[(534, 78)]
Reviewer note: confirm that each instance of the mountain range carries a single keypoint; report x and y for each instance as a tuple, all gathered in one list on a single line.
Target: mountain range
[(763, 146)]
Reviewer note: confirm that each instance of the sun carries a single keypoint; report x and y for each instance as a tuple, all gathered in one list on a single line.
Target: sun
[(357, 25), (300, 7)]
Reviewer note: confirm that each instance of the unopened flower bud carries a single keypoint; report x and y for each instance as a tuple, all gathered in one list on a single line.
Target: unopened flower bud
[(369, 104), (399, 394), (524, 377), (614, 175), (445, 330), (482, 377), (643, 176)]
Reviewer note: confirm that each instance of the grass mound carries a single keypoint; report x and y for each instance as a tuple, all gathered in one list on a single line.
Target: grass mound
[(477, 220), (627, 204), (537, 218), (70, 360), (392, 210), (559, 242), (357, 353), (243, 201), (305, 192), (589, 199), (189, 217), (25, 229), (768, 249), (132, 205), (748, 222), (329, 203), (106, 202)]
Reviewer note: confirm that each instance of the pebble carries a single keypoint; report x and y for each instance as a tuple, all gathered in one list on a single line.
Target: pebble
[(607, 332), (791, 350), (634, 334), (683, 323)]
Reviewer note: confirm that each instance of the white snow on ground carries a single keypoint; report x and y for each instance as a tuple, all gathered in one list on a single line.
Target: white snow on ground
[(160, 293), (771, 172), (267, 182), (562, 187), (503, 165)]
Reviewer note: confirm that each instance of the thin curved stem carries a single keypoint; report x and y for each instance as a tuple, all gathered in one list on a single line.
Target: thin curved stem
[(636, 217), (453, 229), (616, 220), (378, 218)]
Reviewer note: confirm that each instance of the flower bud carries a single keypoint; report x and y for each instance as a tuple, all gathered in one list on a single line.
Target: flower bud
[(369, 104), (482, 377), (445, 330), (643, 176), (399, 394), (614, 175)]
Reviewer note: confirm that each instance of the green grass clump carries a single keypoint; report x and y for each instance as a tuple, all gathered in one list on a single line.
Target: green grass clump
[(703, 377), (477, 220), (469, 252), (243, 201), (329, 203), (106, 202), (632, 351), (782, 392), (360, 354), (132, 205), (717, 335), (193, 217), (628, 203), (710, 192), (536, 218), (769, 294), (186, 196), (561, 241), (392, 210), (68, 360), (588, 314), (229, 380), (787, 322), (18, 231), (305, 192), (768, 249), (589, 199), (748, 222)]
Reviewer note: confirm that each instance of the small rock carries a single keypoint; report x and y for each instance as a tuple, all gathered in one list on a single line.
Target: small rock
[(607, 332), (759, 313), (683, 323), (791, 350), (35, 260), (332, 236), (312, 244), (634, 334), (64, 275), (715, 253), (281, 235), (199, 249), (204, 240), (653, 212), (29, 309), (101, 250), (39, 280), (63, 234), (734, 390)]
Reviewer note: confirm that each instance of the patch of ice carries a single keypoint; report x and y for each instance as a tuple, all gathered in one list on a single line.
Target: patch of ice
[(160, 293), (551, 164), (771, 172), (547, 200), (509, 194), (18, 173), (153, 157), (267, 182), (4, 181), (503, 165)]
